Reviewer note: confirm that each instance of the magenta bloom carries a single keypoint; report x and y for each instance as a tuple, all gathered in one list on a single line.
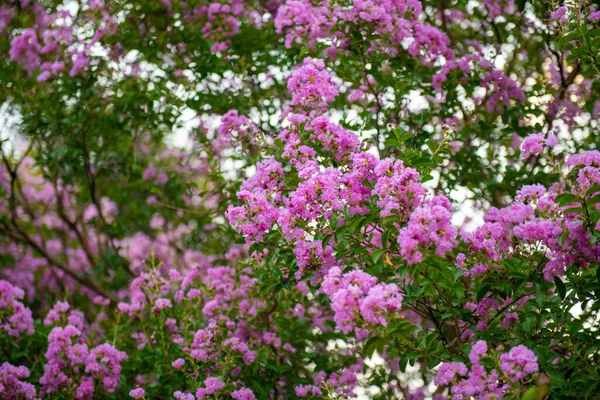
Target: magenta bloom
[(519, 362), (137, 393)]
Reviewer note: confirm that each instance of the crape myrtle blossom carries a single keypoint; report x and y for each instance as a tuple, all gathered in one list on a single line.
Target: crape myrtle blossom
[(428, 224), (479, 382), (395, 20), (535, 218), (13, 384), (137, 393), (15, 318), (56, 45), (518, 363), (356, 295), (534, 144), (70, 363), (312, 87), (325, 192)]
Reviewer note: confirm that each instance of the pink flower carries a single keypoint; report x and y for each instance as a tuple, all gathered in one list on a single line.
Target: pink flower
[(178, 364), (594, 16), (162, 304), (447, 372), (478, 351), (559, 14), (15, 318), (213, 385), (534, 144), (137, 393), (518, 363), (243, 394), (11, 386), (311, 87)]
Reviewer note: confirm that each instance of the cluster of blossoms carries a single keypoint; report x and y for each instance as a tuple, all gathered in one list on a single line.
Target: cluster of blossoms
[(534, 222), (428, 224), (15, 318), (391, 27), (356, 294), (396, 20), (536, 219), (234, 128), (219, 21), (326, 191), (311, 87), (11, 386), (534, 144), (343, 383), (70, 362), (477, 382), (503, 90), (53, 46)]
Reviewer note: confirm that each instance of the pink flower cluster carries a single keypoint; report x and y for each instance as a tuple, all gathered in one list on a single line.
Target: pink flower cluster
[(11, 386), (221, 23), (311, 87), (336, 141), (517, 364), (15, 318), (356, 295), (489, 308), (388, 26), (234, 129), (324, 192), (70, 363), (398, 188), (53, 45), (220, 20), (502, 89), (535, 219), (535, 143), (428, 224)]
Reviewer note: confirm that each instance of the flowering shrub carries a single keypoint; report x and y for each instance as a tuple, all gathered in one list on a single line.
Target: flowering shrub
[(299, 199)]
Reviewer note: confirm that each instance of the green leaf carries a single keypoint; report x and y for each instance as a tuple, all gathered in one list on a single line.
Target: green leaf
[(560, 286), (375, 343), (567, 198), (377, 253), (385, 238), (426, 178), (482, 292), (402, 136), (531, 394), (422, 161), (431, 145), (558, 380), (392, 143), (593, 190), (574, 210)]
